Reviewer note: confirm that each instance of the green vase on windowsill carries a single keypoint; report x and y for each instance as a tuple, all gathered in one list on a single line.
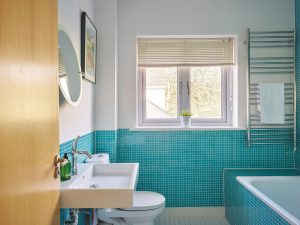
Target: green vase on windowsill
[(185, 118)]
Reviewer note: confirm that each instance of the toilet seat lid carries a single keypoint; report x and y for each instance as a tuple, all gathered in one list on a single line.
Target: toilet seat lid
[(146, 200)]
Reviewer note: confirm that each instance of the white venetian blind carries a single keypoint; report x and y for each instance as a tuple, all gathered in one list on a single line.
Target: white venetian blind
[(185, 51)]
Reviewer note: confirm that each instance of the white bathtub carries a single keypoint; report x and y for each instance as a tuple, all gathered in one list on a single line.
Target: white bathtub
[(281, 193)]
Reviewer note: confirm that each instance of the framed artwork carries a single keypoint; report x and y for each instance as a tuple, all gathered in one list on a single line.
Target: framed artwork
[(88, 48)]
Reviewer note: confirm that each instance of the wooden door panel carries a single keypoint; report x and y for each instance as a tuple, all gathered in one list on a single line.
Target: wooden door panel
[(29, 194)]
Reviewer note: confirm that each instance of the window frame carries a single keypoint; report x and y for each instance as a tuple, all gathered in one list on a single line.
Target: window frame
[(183, 76)]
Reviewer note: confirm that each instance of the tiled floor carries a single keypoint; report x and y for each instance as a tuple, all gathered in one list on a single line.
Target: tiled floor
[(192, 221)]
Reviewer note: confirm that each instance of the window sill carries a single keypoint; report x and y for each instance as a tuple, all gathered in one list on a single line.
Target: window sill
[(178, 128)]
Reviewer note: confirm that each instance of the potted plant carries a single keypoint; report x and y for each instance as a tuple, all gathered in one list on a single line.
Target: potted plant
[(185, 118)]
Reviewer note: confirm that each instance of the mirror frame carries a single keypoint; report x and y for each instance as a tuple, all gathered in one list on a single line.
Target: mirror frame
[(69, 100)]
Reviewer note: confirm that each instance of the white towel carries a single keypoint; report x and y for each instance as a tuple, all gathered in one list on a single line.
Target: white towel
[(272, 103)]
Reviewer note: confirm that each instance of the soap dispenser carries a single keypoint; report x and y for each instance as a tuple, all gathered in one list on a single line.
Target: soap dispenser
[(65, 169)]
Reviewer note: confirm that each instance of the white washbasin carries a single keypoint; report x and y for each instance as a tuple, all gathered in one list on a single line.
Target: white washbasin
[(100, 186)]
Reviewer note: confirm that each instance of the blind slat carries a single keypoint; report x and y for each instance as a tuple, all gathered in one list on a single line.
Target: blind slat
[(185, 51)]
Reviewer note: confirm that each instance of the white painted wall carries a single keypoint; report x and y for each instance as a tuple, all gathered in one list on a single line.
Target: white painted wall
[(190, 17), (120, 21), (78, 120), (106, 86)]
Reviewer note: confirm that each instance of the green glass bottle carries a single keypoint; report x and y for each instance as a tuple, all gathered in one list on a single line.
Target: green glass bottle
[(65, 170)]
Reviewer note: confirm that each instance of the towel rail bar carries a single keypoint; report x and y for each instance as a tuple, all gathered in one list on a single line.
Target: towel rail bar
[(271, 72), (258, 115), (257, 103), (271, 68), (272, 32), (257, 94), (270, 36), (262, 134), (274, 46), (285, 84), (271, 124), (271, 58), (263, 63), (259, 139), (271, 130), (267, 42), (286, 98), (258, 119), (271, 143), (256, 89)]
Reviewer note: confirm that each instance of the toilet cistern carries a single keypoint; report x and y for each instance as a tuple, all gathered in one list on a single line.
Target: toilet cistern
[(74, 154)]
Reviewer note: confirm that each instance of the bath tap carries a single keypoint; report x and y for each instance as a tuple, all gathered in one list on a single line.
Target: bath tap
[(74, 154)]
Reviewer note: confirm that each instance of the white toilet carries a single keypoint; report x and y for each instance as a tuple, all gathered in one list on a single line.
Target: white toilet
[(146, 205)]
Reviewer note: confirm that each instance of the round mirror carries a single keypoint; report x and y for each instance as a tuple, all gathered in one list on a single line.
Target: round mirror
[(70, 80)]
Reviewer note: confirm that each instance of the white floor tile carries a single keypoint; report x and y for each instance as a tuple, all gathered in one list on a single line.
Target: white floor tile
[(192, 221)]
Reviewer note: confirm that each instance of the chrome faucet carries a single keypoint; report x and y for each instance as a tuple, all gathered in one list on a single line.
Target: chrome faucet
[(74, 154)]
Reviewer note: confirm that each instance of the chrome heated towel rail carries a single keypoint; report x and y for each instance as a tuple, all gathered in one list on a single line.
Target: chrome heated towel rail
[(271, 58)]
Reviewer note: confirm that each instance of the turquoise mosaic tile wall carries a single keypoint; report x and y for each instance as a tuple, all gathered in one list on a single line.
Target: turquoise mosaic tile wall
[(86, 142), (244, 208), (106, 142), (297, 27), (187, 166)]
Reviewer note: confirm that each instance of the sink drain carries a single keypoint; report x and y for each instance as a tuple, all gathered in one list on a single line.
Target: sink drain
[(94, 186)]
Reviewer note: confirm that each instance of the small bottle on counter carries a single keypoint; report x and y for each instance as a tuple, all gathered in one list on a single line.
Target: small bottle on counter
[(65, 169)]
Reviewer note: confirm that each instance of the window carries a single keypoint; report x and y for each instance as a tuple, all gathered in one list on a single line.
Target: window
[(185, 74)]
